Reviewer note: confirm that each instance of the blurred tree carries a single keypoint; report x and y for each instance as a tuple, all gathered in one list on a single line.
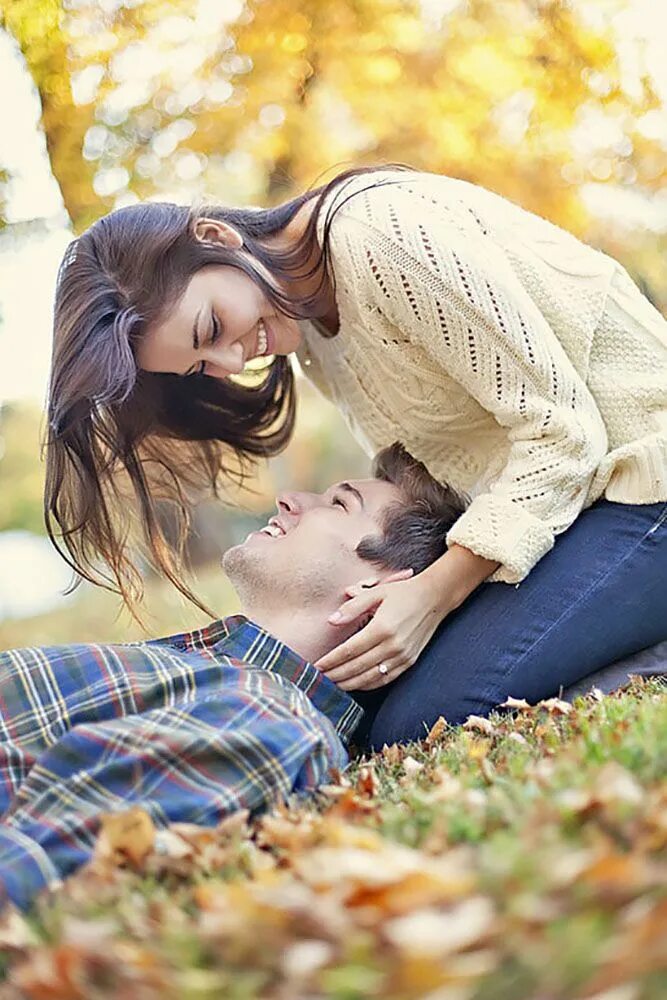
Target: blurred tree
[(254, 100), (21, 476), (251, 101)]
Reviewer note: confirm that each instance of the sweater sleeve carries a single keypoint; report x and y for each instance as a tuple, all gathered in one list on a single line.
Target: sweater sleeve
[(456, 295)]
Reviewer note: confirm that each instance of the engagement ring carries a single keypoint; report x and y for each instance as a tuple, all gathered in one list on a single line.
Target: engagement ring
[(383, 668)]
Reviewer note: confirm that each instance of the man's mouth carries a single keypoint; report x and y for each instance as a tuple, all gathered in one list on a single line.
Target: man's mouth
[(273, 529)]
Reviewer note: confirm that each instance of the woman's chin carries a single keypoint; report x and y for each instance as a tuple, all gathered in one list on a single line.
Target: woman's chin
[(283, 335)]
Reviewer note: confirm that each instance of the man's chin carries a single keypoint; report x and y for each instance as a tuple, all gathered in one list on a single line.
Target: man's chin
[(237, 554), (232, 558), (247, 567)]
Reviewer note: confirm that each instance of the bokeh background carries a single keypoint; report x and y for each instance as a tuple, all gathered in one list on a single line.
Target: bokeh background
[(558, 105)]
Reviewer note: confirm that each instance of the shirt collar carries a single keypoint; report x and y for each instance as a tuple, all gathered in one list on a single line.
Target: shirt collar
[(238, 637)]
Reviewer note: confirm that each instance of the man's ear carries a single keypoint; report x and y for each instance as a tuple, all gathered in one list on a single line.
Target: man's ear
[(208, 230)]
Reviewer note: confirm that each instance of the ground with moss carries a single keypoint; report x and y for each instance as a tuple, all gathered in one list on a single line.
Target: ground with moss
[(524, 856)]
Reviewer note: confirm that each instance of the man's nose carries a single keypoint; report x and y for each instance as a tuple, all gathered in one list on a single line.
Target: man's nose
[(295, 502)]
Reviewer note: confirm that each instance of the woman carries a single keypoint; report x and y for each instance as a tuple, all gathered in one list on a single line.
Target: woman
[(519, 364)]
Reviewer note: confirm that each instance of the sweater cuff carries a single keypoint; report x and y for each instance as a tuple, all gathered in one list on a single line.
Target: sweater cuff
[(498, 529)]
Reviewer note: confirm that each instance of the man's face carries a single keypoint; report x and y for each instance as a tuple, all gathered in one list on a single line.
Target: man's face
[(306, 556)]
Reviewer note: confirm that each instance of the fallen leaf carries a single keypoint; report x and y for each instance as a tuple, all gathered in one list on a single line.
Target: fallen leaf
[(412, 766), (555, 706), (438, 729), (437, 932), (393, 754), (479, 724), (519, 703), (367, 784), (615, 784), (304, 958), (127, 835)]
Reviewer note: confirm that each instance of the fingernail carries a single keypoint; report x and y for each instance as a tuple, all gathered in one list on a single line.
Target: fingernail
[(335, 617)]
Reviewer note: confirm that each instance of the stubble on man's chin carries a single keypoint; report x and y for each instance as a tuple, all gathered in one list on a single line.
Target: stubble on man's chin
[(263, 586), (244, 571)]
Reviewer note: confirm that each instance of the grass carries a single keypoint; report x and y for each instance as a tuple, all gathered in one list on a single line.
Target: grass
[(523, 856)]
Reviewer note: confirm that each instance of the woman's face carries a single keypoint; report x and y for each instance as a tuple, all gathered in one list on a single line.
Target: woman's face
[(216, 327)]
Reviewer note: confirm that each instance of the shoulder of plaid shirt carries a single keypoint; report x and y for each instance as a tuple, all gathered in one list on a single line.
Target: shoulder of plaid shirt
[(192, 726)]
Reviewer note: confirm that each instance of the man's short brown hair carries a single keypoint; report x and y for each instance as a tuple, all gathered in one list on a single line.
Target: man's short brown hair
[(414, 528)]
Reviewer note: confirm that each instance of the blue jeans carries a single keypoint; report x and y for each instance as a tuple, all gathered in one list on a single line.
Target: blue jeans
[(600, 594)]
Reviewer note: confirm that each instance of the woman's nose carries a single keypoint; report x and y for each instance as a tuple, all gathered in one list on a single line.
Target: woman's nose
[(223, 361)]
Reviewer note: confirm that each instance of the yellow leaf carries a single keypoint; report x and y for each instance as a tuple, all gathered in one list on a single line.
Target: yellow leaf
[(438, 729), (126, 835)]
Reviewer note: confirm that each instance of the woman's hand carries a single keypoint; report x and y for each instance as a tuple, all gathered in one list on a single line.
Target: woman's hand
[(403, 615), (399, 616)]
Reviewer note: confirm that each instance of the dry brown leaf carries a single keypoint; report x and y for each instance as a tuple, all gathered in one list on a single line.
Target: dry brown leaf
[(348, 805), (445, 787), (436, 932), (127, 835), (555, 706), (616, 784), (338, 833), (291, 833), (303, 958), (438, 729), (617, 873), (412, 766), (519, 703), (393, 754), (235, 823), (476, 722), (367, 782)]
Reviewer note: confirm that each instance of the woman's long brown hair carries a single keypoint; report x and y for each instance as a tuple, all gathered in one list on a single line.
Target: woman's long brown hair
[(119, 439)]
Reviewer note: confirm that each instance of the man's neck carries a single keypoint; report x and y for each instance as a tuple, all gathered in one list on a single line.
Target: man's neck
[(305, 630)]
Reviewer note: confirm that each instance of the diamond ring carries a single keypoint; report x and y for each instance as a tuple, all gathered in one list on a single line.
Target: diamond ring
[(383, 668)]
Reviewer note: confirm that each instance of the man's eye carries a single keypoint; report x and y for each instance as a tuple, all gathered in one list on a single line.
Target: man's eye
[(217, 328)]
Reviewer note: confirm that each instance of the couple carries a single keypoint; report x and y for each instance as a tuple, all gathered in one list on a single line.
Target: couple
[(233, 716), (519, 365)]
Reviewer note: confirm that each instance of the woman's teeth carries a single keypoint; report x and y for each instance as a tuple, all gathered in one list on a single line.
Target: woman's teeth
[(262, 339)]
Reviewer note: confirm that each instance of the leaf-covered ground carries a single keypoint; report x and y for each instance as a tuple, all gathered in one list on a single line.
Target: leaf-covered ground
[(520, 857)]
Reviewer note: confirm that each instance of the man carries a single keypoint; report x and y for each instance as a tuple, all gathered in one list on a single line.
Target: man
[(232, 716)]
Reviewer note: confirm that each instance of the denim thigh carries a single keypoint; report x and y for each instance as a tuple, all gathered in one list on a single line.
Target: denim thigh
[(598, 595)]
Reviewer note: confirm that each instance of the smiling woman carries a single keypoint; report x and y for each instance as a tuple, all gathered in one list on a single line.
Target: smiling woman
[(157, 305)]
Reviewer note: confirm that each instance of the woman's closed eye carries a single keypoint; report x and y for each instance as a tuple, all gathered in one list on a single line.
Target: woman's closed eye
[(337, 502), (216, 332)]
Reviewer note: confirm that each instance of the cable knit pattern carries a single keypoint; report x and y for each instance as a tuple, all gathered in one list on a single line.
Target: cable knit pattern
[(518, 363)]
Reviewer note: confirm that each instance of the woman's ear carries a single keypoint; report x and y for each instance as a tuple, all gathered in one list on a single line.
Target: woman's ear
[(208, 230)]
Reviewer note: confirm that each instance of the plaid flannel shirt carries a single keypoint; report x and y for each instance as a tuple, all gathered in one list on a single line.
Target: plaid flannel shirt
[(193, 727)]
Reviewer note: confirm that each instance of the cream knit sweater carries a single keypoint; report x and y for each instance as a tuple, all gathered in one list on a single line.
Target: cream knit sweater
[(516, 362)]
